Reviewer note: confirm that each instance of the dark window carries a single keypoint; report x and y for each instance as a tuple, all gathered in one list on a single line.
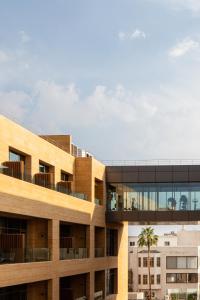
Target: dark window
[(64, 176), (111, 281), (152, 279), (158, 278), (145, 279), (145, 262), (167, 243), (181, 278), (132, 243), (139, 261), (158, 261), (112, 242), (139, 279), (16, 292), (151, 262), (192, 278), (43, 168)]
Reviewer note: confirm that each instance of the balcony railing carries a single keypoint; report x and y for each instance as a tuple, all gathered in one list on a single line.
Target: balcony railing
[(99, 252), (73, 253), (97, 201), (98, 295), (23, 255), (40, 182)]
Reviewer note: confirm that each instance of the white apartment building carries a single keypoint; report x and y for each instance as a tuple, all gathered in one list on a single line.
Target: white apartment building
[(174, 266)]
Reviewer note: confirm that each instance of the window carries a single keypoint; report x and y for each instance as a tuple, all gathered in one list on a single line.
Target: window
[(158, 278), (181, 278), (192, 262), (139, 279), (111, 281), (64, 176), (192, 278), (158, 261), (145, 261), (152, 279), (13, 156), (171, 262), (171, 278), (181, 262), (145, 279), (151, 262), (167, 243), (43, 168), (139, 261), (132, 243)]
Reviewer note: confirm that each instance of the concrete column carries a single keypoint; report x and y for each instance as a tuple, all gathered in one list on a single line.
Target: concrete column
[(54, 239), (90, 286), (53, 289), (123, 262)]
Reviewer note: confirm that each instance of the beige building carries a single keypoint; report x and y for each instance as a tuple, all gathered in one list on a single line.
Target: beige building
[(54, 240), (174, 266)]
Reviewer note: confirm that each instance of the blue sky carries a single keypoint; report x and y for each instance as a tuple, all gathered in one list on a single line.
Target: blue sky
[(121, 76)]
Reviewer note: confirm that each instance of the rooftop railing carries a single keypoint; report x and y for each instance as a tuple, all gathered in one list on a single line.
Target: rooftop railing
[(152, 162)]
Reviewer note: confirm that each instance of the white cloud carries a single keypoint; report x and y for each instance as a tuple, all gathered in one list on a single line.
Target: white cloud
[(183, 47), (136, 34), (116, 122), (4, 57), (15, 104), (193, 5), (25, 38)]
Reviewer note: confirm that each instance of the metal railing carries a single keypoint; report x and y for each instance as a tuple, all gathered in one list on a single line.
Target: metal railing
[(23, 255), (97, 201), (45, 184), (73, 253), (152, 162)]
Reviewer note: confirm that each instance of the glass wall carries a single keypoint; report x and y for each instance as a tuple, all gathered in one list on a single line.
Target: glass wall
[(159, 196)]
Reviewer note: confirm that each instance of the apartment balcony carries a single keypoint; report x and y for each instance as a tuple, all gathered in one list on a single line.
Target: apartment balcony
[(74, 287), (99, 285), (73, 253), (23, 255), (73, 241), (37, 290), (44, 180)]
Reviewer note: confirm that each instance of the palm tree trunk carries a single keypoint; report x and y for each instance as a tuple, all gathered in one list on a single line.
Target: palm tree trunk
[(149, 271)]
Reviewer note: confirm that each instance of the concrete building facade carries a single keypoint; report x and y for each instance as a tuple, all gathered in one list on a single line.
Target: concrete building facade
[(174, 266), (55, 243)]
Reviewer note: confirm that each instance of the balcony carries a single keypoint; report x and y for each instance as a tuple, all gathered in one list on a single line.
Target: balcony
[(75, 287), (73, 241), (41, 179), (73, 253), (24, 255), (34, 290), (99, 285)]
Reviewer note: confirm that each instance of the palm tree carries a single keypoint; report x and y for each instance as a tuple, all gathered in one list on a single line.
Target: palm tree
[(147, 238)]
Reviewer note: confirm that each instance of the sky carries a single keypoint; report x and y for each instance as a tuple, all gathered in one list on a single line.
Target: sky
[(121, 76)]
